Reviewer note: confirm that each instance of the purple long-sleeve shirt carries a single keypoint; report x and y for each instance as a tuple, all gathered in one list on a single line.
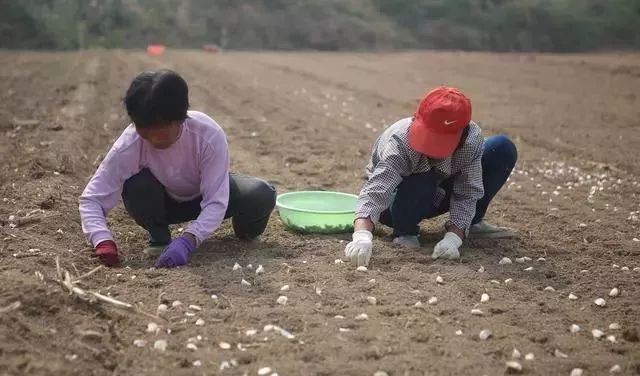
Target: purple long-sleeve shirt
[(197, 164)]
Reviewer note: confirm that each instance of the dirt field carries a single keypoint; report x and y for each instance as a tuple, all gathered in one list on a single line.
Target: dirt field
[(306, 121)]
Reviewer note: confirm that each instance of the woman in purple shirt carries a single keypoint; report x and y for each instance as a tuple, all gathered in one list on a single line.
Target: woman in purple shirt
[(169, 166)]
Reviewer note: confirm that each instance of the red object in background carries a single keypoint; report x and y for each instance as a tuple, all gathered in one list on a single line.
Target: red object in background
[(156, 49), (214, 49)]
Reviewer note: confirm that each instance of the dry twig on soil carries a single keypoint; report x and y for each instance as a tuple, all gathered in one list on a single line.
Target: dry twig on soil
[(91, 296)]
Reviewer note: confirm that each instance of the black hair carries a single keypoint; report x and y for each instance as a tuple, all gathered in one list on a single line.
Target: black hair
[(155, 98)]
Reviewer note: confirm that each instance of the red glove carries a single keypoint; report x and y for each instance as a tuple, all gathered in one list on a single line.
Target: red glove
[(107, 252)]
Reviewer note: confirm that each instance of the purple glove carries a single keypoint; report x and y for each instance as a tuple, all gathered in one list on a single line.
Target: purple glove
[(176, 254)]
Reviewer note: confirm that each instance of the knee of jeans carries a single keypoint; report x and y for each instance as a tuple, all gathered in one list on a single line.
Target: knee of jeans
[(506, 148), (141, 183)]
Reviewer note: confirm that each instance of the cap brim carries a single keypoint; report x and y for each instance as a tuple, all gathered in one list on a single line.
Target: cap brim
[(435, 145)]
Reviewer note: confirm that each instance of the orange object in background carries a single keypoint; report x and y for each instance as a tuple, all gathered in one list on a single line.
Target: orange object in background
[(156, 49), (211, 48)]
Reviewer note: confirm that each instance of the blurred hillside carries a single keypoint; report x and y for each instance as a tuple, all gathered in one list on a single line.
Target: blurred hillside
[(495, 25)]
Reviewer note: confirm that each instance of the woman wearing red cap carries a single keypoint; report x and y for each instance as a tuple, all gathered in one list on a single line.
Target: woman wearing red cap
[(424, 166)]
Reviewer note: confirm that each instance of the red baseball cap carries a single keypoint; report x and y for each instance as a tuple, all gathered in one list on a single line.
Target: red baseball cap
[(439, 122)]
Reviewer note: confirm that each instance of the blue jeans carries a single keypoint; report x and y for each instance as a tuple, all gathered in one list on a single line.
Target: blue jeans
[(415, 195)]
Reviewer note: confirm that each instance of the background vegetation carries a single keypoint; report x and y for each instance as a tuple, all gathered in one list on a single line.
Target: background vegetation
[(496, 25)]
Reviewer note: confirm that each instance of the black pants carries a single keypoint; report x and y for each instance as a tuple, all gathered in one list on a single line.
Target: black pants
[(414, 198), (251, 201)]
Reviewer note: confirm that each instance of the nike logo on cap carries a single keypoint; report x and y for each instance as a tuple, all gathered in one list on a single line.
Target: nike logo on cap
[(447, 122)]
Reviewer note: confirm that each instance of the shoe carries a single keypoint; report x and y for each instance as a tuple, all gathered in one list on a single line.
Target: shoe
[(485, 230), (407, 241), (154, 250)]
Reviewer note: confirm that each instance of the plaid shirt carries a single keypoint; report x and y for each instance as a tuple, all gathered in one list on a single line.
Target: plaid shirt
[(392, 159)]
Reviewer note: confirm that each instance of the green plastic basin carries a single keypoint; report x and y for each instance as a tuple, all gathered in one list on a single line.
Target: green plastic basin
[(317, 212)]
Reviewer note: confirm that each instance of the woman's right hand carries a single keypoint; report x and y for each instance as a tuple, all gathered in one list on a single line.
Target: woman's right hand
[(360, 249), (107, 252)]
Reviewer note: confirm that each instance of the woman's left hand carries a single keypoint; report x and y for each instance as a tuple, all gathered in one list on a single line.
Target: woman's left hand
[(177, 253)]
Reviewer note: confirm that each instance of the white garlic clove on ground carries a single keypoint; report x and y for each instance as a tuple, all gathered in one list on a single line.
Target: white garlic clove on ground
[(508, 280), (529, 269), (264, 371), (477, 312), (192, 347), (284, 288), (195, 307), (559, 354), (236, 267), (380, 373), (372, 300), (251, 332), (624, 268), (338, 317), (520, 260), (513, 366), (615, 369), (485, 334), (282, 300), (197, 363), (418, 305), (249, 266), (432, 300), (515, 354), (504, 261), (224, 345), (245, 283), (224, 365), (458, 332), (574, 328), (484, 298), (189, 314), (152, 327), (495, 282), (572, 297), (344, 330), (176, 303), (597, 333), (481, 269), (260, 269), (529, 357), (541, 259), (338, 261), (361, 268), (362, 317), (600, 302), (611, 338), (614, 326), (372, 281), (439, 280), (162, 308), (550, 289), (140, 343), (160, 345), (200, 322), (576, 372), (614, 292), (268, 328)]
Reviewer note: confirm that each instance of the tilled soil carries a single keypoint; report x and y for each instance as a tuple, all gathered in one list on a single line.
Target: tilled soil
[(307, 121)]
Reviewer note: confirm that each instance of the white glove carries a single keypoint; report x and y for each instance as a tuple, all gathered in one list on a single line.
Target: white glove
[(447, 248), (359, 250)]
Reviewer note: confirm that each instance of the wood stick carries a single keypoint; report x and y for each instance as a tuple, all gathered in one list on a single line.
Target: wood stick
[(58, 270), (107, 299), (11, 307), (87, 274)]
